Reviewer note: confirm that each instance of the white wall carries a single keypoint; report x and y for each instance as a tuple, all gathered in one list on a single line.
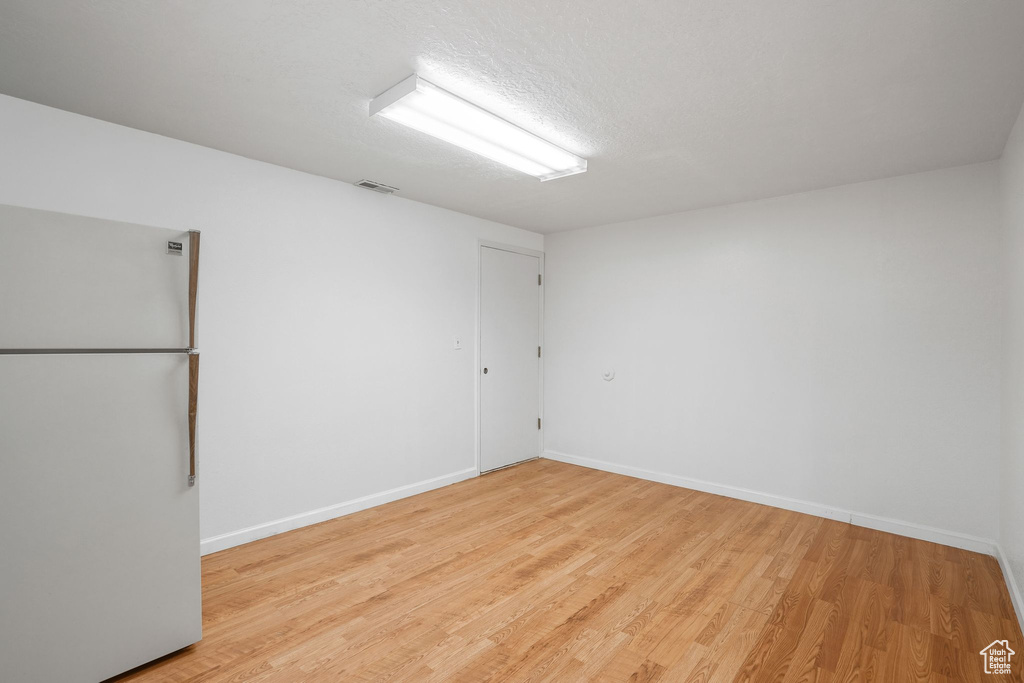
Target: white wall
[(326, 312), (795, 346), (1012, 518), (840, 347)]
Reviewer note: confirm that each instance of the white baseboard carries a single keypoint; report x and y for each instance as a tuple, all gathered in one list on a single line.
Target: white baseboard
[(254, 533), (1011, 585), (894, 526)]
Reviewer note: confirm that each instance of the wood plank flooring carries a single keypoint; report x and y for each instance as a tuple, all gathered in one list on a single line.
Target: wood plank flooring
[(550, 572)]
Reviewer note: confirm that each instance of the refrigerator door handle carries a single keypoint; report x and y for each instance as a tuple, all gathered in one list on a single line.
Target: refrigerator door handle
[(193, 400), (193, 284), (193, 353)]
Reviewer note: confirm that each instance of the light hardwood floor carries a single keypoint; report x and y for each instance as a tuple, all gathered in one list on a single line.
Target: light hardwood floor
[(550, 572)]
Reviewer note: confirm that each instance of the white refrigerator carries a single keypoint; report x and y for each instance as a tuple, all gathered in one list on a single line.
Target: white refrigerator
[(99, 511)]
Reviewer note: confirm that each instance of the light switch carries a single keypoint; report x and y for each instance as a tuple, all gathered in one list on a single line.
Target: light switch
[(458, 344)]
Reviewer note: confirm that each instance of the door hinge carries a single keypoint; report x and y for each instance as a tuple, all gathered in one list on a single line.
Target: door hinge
[(538, 423), (538, 279), (538, 352)]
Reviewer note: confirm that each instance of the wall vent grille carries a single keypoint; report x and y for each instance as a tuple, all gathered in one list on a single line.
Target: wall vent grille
[(377, 187)]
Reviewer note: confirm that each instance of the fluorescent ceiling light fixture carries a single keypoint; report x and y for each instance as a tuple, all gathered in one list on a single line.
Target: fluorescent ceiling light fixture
[(427, 108)]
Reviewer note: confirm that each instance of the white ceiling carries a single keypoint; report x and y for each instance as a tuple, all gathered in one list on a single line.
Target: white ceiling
[(677, 104)]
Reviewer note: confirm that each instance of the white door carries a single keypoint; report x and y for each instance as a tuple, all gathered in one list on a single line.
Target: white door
[(99, 545), (510, 357)]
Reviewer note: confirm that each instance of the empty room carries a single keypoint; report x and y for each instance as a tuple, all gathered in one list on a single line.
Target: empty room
[(511, 340)]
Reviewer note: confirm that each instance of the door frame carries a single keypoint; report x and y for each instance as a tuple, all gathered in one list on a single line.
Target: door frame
[(478, 358)]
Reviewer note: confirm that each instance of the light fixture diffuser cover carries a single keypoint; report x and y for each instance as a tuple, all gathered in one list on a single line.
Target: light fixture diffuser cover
[(423, 106)]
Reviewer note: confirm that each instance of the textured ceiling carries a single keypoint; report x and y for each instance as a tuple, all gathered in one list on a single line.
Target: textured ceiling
[(677, 104)]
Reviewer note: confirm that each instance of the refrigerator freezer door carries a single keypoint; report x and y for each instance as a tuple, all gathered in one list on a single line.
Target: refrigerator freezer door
[(99, 545), (71, 282)]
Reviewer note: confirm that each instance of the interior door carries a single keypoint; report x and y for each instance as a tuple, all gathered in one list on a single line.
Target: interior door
[(99, 545), (510, 357)]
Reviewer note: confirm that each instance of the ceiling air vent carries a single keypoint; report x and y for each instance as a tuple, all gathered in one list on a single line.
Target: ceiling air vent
[(377, 187)]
